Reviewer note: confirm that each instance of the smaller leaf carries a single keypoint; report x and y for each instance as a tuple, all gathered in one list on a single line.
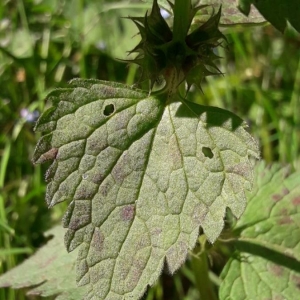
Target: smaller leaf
[(273, 211), (267, 265), (50, 271), (249, 276)]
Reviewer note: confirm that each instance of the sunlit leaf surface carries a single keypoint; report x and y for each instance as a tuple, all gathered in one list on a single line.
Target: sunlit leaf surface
[(142, 174)]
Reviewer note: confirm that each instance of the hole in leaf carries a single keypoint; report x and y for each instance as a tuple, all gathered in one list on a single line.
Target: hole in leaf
[(109, 110), (207, 152)]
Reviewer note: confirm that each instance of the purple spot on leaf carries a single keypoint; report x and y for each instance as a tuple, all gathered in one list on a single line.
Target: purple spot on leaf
[(276, 270), (296, 201), (296, 280), (285, 220), (276, 197), (285, 191), (97, 240), (97, 178), (127, 212), (75, 224)]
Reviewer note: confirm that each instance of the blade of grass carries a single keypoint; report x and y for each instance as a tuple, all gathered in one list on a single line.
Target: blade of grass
[(295, 104), (15, 251), (5, 240)]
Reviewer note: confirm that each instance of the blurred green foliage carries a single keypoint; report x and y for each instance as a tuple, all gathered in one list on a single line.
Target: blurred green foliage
[(45, 43)]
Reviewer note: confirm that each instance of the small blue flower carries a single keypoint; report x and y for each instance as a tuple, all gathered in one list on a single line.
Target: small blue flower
[(28, 115), (101, 45), (165, 14)]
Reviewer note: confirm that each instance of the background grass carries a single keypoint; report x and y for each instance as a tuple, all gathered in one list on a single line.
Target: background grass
[(45, 43)]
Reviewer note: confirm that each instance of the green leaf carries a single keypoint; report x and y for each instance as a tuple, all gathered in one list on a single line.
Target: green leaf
[(230, 15), (267, 265), (277, 12), (142, 174), (50, 270)]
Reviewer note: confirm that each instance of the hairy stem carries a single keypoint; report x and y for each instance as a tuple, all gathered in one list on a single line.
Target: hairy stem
[(201, 273), (181, 19)]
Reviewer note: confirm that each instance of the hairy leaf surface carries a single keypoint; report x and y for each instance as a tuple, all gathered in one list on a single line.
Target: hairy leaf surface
[(51, 270), (230, 15), (142, 175), (267, 265)]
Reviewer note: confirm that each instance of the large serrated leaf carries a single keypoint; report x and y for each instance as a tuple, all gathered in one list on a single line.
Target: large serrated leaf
[(49, 272), (268, 263), (142, 174), (277, 12)]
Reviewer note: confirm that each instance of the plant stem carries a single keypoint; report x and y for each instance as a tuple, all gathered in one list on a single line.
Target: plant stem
[(181, 19), (201, 273)]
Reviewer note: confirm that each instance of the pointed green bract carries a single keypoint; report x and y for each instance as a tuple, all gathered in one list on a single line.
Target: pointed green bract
[(267, 265), (161, 53), (142, 176)]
